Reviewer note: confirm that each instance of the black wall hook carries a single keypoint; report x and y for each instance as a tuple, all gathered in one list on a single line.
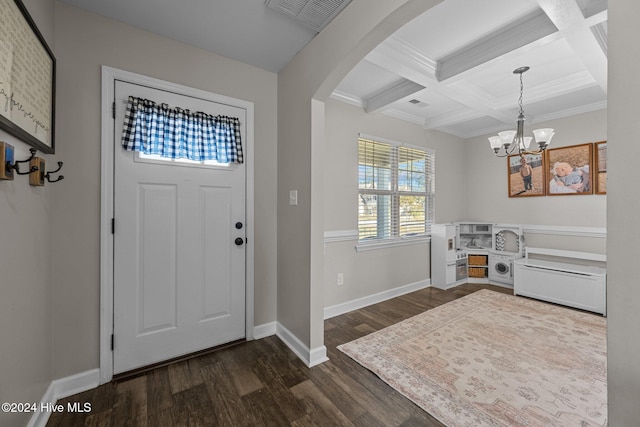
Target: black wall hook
[(16, 164), (48, 174)]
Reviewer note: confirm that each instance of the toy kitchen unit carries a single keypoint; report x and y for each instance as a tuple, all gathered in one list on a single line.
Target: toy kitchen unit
[(448, 262), (474, 252)]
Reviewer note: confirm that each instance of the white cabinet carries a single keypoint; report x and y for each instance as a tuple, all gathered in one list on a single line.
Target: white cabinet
[(573, 285)]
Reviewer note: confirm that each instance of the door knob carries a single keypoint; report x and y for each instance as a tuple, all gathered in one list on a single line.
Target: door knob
[(239, 241)]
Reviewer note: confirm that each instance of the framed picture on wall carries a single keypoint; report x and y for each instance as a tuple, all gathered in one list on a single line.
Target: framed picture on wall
[(600, 165), (526, 175), (27, 78), (570, 170)]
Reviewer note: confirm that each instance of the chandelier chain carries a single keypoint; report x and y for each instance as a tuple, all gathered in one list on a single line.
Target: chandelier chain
[(514, 142), (521, 92)]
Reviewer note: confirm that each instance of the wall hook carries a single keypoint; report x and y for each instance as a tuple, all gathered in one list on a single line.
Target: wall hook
[(48, 174), (16, 164)]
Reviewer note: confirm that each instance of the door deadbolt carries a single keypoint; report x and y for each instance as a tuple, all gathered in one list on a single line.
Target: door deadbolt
[(238, 225)]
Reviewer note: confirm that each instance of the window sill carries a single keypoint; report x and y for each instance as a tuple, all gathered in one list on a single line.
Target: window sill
[(391, 243)]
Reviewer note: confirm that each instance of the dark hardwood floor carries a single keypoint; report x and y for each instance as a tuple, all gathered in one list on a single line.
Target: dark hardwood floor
[(263, 383)]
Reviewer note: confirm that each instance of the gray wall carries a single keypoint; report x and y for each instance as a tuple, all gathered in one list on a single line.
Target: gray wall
[(84, 42), (486, 186), (623, 205), (471, 184), (53, 232), (25, 271), (379, 270), (306, 82)]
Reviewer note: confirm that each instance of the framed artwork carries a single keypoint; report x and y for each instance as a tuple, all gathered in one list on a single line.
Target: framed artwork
[(27, 78), (570, 170), (600, 165), (526, 175)]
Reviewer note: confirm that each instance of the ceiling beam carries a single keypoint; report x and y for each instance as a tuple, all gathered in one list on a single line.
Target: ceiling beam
[(528, 29), (383, 99), (577, 31)]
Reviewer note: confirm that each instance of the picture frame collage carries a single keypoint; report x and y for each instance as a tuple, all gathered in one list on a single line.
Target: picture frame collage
[(573, 170)]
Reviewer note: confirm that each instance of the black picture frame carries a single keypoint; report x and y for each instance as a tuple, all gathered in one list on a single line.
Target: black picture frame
[(27, 79)]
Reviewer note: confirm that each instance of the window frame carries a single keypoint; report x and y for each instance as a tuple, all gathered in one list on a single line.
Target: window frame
[(395, 239)]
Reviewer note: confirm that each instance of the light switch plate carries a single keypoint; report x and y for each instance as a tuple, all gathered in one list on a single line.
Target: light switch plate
[(293, 197)]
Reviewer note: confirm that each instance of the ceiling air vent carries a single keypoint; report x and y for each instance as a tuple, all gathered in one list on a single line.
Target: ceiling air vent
[(315, 14)]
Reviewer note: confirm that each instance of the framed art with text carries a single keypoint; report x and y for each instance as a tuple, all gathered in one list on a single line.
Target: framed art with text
[(27, 78)]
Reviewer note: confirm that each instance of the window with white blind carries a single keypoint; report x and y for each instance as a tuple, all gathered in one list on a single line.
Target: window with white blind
[(396, 190)]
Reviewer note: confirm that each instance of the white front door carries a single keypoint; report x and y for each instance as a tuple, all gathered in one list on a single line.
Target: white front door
[(179, 246)]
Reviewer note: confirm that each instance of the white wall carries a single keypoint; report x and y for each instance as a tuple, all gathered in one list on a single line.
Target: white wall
[(84, 43), (25, 270), (379, 270)]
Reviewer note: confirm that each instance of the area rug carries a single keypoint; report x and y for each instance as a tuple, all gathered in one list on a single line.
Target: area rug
[(492, 359)]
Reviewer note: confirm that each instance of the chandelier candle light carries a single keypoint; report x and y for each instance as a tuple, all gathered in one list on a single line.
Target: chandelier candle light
[(514, 141)]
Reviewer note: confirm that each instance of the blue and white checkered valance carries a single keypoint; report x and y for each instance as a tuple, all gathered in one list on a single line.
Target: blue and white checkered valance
[(152, 128)]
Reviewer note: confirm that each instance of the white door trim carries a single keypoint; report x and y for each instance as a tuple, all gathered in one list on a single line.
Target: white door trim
[(109, 75)]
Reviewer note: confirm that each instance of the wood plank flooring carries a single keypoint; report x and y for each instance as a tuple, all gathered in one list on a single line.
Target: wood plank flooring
[(263, 383)]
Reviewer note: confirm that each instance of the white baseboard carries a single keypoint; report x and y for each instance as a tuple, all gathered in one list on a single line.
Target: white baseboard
[(345, 307), (263, 331), (317, 356), (64, 387), (310, 357)]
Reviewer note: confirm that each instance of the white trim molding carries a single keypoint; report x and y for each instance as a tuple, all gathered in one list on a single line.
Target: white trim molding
[(340, 236), (265, 330), (553, 230), (391, 243), (565, 254), (345, 307), (352, 235), (61, 388), (310, 357), (596, 232)]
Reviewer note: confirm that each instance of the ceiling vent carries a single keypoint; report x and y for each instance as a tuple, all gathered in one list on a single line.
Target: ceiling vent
[(315, 14)]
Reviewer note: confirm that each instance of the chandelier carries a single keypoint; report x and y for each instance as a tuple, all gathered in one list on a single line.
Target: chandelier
[(514, 141)]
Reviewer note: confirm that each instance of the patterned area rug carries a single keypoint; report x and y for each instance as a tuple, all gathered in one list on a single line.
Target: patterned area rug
[(491, 359)]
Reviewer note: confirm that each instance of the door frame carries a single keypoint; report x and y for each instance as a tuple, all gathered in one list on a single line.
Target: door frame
[(109, 76)]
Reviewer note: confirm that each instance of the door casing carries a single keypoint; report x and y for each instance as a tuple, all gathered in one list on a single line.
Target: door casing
[(109, 76)]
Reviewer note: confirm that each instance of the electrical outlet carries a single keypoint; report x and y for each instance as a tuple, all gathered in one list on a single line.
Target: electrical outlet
[(340, 279)]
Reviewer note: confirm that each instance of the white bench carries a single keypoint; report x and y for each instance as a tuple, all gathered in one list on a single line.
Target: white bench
[(573, 285)]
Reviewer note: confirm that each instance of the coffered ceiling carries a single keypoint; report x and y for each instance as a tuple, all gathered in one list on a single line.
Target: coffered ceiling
[(449, 69)]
